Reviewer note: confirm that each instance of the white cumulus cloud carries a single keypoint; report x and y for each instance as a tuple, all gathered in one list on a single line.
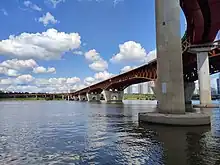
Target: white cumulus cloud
[(92, 55), (51, 70), (19, 64), (24, 79), (8, 72), (48, 19), (99, 66), (41, 69), (31, 5), (103, 75), (98, 63), (151, 56), (100, 76), (72, 80), (127, 68), (27, 83), (129, 51), (46, 45), (89, 81)]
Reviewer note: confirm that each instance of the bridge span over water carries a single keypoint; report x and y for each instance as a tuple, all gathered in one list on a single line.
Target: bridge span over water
[(203, 24)]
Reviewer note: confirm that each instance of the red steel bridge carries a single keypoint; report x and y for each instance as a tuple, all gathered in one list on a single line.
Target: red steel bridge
[(203, 24)]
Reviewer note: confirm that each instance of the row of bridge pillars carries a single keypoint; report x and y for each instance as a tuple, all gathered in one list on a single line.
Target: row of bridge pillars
[(110, 96)]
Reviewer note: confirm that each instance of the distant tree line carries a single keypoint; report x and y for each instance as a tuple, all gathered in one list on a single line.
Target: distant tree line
[(135, 96)]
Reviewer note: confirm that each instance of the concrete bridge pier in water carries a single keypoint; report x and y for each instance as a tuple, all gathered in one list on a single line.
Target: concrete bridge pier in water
[(171, 91), (113, 96), (82, 97), (189, 88), (110, 96), (93, 97)]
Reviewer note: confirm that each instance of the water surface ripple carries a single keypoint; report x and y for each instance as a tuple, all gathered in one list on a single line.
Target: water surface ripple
[(62, 132)]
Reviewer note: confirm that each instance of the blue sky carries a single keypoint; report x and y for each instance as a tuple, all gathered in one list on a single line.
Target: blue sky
[(61, 44)]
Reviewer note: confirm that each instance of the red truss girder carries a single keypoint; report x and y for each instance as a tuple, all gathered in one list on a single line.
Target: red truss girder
[(149, 73)]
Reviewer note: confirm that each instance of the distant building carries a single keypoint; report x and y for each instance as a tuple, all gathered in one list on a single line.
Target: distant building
[(129, 89), (140, 88)]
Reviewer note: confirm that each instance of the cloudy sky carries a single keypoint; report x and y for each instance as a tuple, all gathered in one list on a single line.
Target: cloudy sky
[(55, 45)]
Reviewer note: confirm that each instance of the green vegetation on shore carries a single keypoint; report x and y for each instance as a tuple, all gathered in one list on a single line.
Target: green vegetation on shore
[(139, 97)]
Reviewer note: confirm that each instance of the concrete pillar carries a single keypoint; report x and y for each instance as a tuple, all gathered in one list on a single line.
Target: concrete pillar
[(189, 88), (82, 98), (113, 96), (204, 78), (76, 98), (169, 83), (93, 97)]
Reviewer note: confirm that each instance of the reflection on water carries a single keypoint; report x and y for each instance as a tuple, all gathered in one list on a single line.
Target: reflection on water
[(45, 132)]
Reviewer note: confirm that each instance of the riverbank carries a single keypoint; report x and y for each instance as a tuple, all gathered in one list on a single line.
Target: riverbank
[(139, 97)]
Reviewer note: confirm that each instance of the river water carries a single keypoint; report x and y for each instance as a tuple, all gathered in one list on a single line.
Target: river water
[(62, 132)]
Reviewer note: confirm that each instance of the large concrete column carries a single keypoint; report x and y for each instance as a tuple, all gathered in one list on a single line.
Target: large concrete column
[(93, 97), (113, 96), (204, 78), (169, 57)]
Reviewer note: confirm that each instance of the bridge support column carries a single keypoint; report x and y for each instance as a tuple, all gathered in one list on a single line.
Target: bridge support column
[(189, 88), (75, 98), (82, 98), (204, 78), (113, 96), (170, 83), (169, 58), (93, 97)]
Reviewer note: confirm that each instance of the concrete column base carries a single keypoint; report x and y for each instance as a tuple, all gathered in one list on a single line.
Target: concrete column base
[(114, 101), (187, 119), (189, 107)]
